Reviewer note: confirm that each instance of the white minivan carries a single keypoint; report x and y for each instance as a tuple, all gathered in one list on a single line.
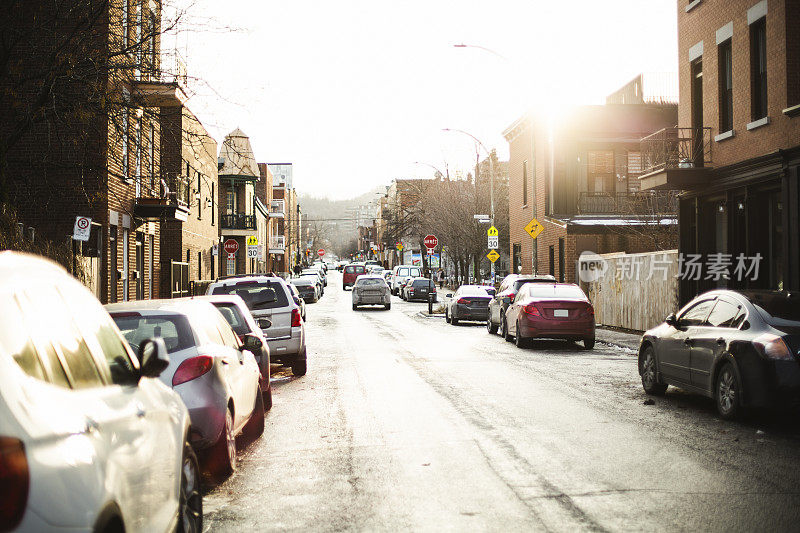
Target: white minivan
[(90, 439), (401, 274)]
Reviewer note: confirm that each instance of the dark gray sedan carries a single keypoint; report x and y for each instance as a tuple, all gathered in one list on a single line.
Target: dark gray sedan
[(470, 302), (740, 348)]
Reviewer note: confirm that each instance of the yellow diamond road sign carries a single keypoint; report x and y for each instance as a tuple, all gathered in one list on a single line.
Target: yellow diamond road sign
[(492, 232), (493, 256), (534, 228), (252, 240)]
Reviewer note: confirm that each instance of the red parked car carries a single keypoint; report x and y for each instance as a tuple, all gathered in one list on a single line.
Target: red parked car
[(549, 310), (351, 272)]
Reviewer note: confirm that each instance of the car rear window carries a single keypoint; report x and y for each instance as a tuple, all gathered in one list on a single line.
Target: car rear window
[(174, 329), (233, 317), (422, 283), (473, 291), (537, 290), (369, 281), (520, 282), (253, 293), (402, 272), (777, 309)]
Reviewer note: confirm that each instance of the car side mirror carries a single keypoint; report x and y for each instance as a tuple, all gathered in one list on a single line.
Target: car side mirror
[(153, 357), (672, 320), (264, 323), (252, 343)]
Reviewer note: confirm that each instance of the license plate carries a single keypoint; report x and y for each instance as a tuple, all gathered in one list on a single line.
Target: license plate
[(561, 312)]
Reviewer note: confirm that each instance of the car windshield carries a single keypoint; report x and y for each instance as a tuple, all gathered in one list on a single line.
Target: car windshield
[(256, 294), (174, 329), (537, 290), (777, 309)]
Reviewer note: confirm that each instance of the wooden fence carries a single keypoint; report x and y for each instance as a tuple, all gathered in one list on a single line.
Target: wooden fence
[(636, 291)]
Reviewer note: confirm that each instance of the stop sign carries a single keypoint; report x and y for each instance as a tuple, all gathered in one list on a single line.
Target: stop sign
[(430, 241), (320, 252), (231, 246)]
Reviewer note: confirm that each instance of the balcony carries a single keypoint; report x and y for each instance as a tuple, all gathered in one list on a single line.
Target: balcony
[(277, 209), (628, 204), (676, 158), (166, 199), (277, 244), (165, 87), (238, 224)]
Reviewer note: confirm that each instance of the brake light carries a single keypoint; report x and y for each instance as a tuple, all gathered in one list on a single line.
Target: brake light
[(462, 301), (532, 310), (126, 314), (192, 368), (297, 320), (14, 482), (589, 310), (772, 347)]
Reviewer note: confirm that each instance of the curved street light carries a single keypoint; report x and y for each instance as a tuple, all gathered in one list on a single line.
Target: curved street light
[(434, 167), (462, 45)]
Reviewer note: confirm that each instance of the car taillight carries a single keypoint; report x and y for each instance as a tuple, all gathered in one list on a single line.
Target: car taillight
[(14, 482), (192, 368), (532, 310), (588, 310), (772, 347), (296, 318), (462, 301)]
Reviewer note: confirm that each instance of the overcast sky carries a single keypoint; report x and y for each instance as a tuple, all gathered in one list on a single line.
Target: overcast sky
[(354, 92)]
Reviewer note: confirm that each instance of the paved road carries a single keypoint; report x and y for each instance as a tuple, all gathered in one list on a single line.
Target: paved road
[(405, 422)]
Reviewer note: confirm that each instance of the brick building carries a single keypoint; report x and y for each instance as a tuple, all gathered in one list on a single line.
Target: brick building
[(576, 174), (242, 213), (188, 247), (89, 144), (736, 150), (286, 242)]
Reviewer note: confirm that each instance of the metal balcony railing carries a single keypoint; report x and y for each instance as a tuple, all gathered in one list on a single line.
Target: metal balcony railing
[(170, 189), (238, 221), (277, 242), (628, 203), (672, 148), (276, 207)]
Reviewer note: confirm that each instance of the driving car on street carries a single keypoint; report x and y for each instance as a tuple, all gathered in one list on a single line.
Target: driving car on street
[(351, 272), (236, 313), (740, 348), (470, 302), (270, 297), (371, 289), (549, 310), (215, 374), (90, 439), (506, 293), (400, 276), (419, 289)]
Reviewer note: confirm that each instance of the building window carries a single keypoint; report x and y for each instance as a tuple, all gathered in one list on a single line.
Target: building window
[(524, 183), (125, 17), (199, 265), (138, 166), (112, 263), (213, 197), (231, 202), (516, 257), (150, 260), (152, 157), (758, 68), (725, 86), (125, 143), (199, 196), (561, 260), (552, 265), (125, 259)]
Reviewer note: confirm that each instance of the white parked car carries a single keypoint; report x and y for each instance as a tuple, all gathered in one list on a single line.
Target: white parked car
[(90, 439), (371, 289)]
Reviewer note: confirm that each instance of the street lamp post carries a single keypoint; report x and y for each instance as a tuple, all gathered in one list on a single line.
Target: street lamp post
[(491, 170)]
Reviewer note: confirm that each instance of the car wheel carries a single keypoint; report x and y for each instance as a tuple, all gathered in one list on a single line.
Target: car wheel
[(190, 511), (268, 398), (588, 343), (728, 392), (446, 316), (387, 306), (490, 326), (254, 427), (649, 372), (299, 367), (519, 340), (453, 320), (223, 453), (506, 335), (355, 307)]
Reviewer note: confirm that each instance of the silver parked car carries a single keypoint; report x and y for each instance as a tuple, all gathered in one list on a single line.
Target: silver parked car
[(215, 374), (90, 439), (371, 289), (270, 297)]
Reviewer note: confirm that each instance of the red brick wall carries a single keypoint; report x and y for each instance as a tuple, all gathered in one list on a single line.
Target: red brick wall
[(701, 24)]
